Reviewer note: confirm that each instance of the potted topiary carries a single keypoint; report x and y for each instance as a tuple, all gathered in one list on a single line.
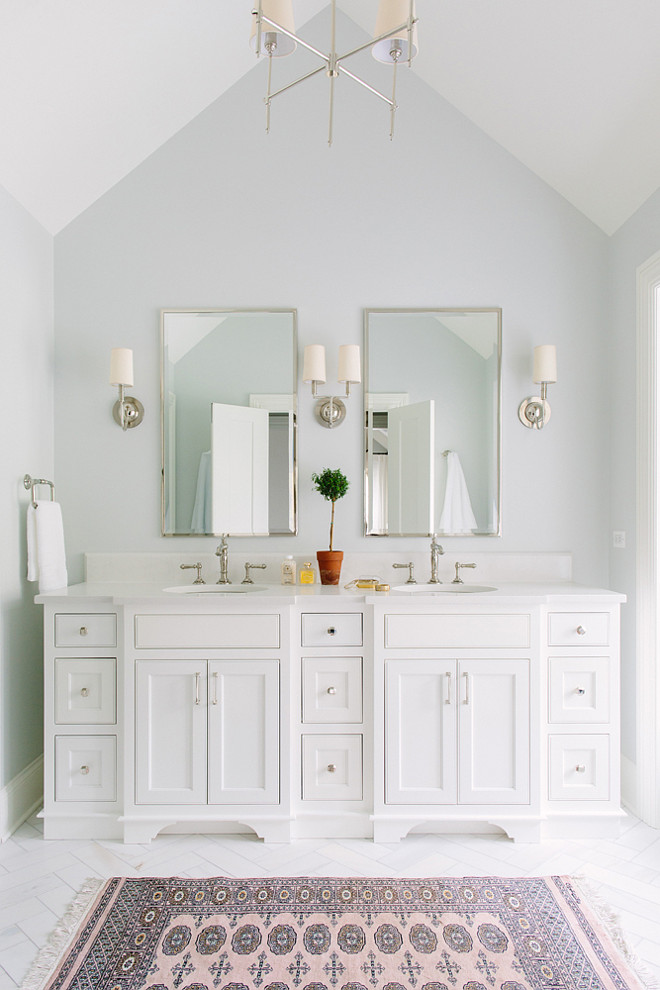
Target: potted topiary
[(332, 485)]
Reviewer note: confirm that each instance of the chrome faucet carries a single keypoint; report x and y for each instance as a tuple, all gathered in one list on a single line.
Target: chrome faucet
[(223, 553), (191, 567), (458, 579), (248, 567), (411, 571), (436, 551)]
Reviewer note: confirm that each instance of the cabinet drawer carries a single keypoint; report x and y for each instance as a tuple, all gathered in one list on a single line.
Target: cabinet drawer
[(85, 768), (207, 632), (332, 689), (578, 689), (579, 768), (85, 691), (331, 629), (455, 631), (85, 629), (332, 768), (578, 629)]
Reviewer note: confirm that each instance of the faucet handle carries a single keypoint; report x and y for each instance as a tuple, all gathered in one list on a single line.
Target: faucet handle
[(190, 567), (248, 567), (458, 579), (411, 571)]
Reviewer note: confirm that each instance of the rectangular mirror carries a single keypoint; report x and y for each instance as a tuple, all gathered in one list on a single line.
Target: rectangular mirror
[(228, 413), (432, 418)]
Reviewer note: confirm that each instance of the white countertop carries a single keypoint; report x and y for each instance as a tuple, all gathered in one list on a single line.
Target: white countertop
[(124, 593)]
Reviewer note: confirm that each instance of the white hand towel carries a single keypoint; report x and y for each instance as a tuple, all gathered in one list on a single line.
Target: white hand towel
[(457, 515), (46, 557)]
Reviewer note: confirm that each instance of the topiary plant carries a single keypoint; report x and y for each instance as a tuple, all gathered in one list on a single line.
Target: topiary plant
[(332, 485)]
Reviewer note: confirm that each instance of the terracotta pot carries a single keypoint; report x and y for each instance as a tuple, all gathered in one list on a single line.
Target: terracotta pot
[(330, 565)]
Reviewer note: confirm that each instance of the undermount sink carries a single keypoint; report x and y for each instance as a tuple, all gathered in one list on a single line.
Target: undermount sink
[(215, 589), (443, 589)]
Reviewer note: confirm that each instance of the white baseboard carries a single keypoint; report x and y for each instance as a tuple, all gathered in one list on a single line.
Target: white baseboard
[(21, 797), (629, 785)]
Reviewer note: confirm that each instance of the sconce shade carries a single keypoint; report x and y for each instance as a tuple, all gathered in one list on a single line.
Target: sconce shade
[(280, 11), (545, 364), (349, 364), (314, 363), (121, 366), (391, 15)]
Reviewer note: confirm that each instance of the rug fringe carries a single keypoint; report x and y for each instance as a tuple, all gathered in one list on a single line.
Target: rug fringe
[(611, 921), (49, 955)]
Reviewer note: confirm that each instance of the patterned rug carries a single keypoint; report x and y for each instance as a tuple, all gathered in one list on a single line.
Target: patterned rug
[(485, 933)]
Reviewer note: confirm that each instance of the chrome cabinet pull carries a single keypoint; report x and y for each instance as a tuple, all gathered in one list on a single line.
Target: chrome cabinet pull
[(332, 690), (331, 631), (332, 767), (215, 688), (580, 768), (579, 690), (448, 686), (84, 770), (581, 631), (467, 688), (83, 630), (197, 677), (84, 692)]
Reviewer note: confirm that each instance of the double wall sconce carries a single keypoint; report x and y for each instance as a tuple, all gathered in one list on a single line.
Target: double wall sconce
[(127, 411), (534, 412), (329, 410)]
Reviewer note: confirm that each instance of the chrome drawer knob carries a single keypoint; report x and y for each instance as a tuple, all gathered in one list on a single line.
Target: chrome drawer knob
[(332, 690), (332, 767), (581, 631), (580, 768), (579, 690), (84, 770), (83, 630), (331, 631), (84, 692)]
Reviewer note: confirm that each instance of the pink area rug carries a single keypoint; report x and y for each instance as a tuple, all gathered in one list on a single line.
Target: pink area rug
[(481, 933)]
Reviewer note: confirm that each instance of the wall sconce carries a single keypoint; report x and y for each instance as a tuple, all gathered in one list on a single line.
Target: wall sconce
[(534, 412), (329, 410), (127, 411)]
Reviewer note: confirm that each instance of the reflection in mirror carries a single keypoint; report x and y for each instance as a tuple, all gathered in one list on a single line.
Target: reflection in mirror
[(228, 401), (432, 416)]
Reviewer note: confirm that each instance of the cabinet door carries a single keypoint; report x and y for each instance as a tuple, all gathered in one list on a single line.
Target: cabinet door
[(420, 729), (170, 731), (493, 732), (244, 732)]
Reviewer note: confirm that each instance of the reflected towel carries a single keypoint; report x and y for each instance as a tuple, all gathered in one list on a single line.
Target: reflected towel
[(46, 557), (457, 515), (201, 515)]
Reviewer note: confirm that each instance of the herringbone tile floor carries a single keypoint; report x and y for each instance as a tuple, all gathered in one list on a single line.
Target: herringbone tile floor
[(38, 878)]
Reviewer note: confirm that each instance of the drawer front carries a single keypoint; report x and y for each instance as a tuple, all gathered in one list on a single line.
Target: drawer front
[(85, 768), (85, 691), (579, 768), (85, 630), (578, 629), (332, 768), (207, 632), (331, 629), (332, 689), (456, 631), (578, 689)]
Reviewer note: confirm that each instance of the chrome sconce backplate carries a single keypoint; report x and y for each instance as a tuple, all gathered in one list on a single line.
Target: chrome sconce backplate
[(534, 412), (330, 411), (128, 412)]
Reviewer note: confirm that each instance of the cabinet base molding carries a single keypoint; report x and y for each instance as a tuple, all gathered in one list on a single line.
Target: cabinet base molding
[(391, 828), (583, 826), (21, 797), (337, 826), (142, 829), (82, 827)]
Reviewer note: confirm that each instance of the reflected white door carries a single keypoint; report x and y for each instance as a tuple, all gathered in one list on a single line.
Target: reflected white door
[(411, 468), (239, 449)]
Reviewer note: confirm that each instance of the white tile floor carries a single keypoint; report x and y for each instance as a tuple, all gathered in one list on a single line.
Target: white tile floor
[(38, 878)]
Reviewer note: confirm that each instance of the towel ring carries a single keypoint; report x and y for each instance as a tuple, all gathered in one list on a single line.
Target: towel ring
[(32, 483)]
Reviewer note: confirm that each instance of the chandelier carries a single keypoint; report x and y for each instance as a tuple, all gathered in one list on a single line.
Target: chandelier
[(395, 40)]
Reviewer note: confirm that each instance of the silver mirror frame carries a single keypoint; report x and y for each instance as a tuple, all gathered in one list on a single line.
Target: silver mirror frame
[(495, 310), (225, 310)]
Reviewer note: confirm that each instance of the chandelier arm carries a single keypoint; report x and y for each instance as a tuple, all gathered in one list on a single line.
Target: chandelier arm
[(308, 75), (374, 41), (410, 33), (351, 75), (294, 37), (393, 107), (258, 39)]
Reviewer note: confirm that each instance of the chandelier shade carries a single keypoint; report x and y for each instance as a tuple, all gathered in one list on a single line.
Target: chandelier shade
[(392, 14), (273, 42)]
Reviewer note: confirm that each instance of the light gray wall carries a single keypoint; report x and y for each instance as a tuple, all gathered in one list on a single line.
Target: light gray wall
[(635, 242), (26, 303), (223, 215)]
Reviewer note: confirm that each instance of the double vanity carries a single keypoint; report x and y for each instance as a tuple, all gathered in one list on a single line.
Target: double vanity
[(315, 711)]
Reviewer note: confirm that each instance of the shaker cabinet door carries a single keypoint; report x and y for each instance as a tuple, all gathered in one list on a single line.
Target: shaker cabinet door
[(244, 732), (420, 716), (170, 731)]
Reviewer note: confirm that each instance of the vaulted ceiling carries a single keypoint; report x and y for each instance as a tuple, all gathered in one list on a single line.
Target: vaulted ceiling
[(90, 88)]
